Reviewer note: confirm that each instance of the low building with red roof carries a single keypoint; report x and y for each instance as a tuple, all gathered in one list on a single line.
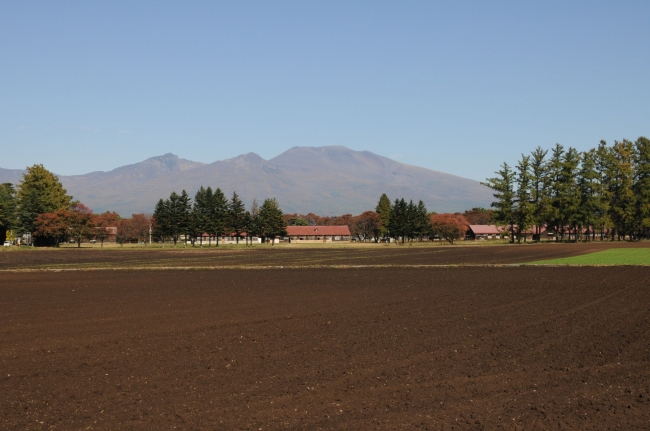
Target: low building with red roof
[(482, 232), (318, 233)]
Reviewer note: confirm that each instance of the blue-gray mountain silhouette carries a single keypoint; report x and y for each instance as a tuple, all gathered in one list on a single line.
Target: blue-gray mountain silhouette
[(323, 180)]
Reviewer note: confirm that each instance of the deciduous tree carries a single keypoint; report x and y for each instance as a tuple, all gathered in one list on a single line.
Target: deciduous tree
[(80, 222), (449, 227), (140, 225), (102, 223), (367, 225), (52, 227)]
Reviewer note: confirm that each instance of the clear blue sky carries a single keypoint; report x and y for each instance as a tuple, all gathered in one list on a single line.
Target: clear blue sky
[(455, 86)]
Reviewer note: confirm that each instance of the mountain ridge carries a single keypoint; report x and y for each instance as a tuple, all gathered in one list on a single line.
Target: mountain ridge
[(325, 180)]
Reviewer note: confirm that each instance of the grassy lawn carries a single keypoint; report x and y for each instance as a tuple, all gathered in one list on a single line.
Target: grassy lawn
[(617, 256)]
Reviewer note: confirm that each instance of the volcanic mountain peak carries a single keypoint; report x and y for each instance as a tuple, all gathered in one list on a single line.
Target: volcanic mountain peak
[(325, 180), (170, 162), (336, 158), (245, 159)]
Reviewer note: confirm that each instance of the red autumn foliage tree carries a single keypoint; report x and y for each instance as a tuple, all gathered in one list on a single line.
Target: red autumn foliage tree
[(366, 226), (76, 223), (139, 227), (81, 224), (53, 226), (123, 231), (449, 226), (135, 228), (102, 223)]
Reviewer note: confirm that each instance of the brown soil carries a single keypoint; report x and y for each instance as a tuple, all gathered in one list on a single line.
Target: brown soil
[(297, 256), (373, 348)]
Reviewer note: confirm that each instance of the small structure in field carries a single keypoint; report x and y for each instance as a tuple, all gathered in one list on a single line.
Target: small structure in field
[(314, 234), (482, 232)]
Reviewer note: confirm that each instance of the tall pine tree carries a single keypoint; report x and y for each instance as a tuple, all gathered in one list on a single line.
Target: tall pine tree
[(236, 216), (384, 211), (504, 205)]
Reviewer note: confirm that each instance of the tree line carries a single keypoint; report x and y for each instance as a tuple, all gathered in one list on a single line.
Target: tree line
[(400, 221), (214, 215), (600, 193), (41, 206)]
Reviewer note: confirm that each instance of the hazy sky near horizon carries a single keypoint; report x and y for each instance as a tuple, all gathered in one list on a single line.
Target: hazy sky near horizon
[(455, 86)]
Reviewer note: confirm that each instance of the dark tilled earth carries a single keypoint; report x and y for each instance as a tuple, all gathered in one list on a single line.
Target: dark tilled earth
[(296, 256), (369, 348)]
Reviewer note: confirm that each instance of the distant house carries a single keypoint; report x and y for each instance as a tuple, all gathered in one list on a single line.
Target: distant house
[(482, 232), (318, 233), (530, 233), (112, 234), (230, 238)]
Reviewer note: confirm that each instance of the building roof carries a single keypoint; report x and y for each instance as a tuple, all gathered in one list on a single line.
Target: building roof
[(484, 229), (530, 230), (317, 230)]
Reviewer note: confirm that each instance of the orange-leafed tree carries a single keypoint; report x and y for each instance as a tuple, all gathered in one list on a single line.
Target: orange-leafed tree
[(123, 231), (102, 223), (139, 227), (449, 226), (81, 224), (53, 226), (367, 225)]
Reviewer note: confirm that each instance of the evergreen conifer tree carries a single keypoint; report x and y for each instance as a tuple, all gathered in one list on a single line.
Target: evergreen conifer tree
[(161, 220), (588, 186), (398, 220), (39, 192), (422, 222), (201, 212), (642, 186), (219, 215), (271, 222), (384, 211), (623, 201), (236, 214), (524, 211), (504, 193), (539, 188), (7, 209)]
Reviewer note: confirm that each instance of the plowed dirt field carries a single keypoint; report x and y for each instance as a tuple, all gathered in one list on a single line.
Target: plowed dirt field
[(266, 256), (326, 348)]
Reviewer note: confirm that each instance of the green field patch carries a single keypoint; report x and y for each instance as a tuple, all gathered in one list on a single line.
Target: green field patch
[(614, 256)]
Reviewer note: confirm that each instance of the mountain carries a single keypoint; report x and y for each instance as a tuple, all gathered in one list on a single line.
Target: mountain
[(11, 175), (323, 180)]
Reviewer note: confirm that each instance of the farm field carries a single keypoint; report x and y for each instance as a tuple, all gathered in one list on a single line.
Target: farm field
[(266, 256), (613, 256), (326, 348)]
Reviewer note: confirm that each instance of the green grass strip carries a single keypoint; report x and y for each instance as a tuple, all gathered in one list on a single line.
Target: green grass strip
[(614, 256)]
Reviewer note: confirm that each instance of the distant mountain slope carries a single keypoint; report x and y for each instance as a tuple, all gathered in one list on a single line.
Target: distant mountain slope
[(356, 179), (11, 175), (323, 180)]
